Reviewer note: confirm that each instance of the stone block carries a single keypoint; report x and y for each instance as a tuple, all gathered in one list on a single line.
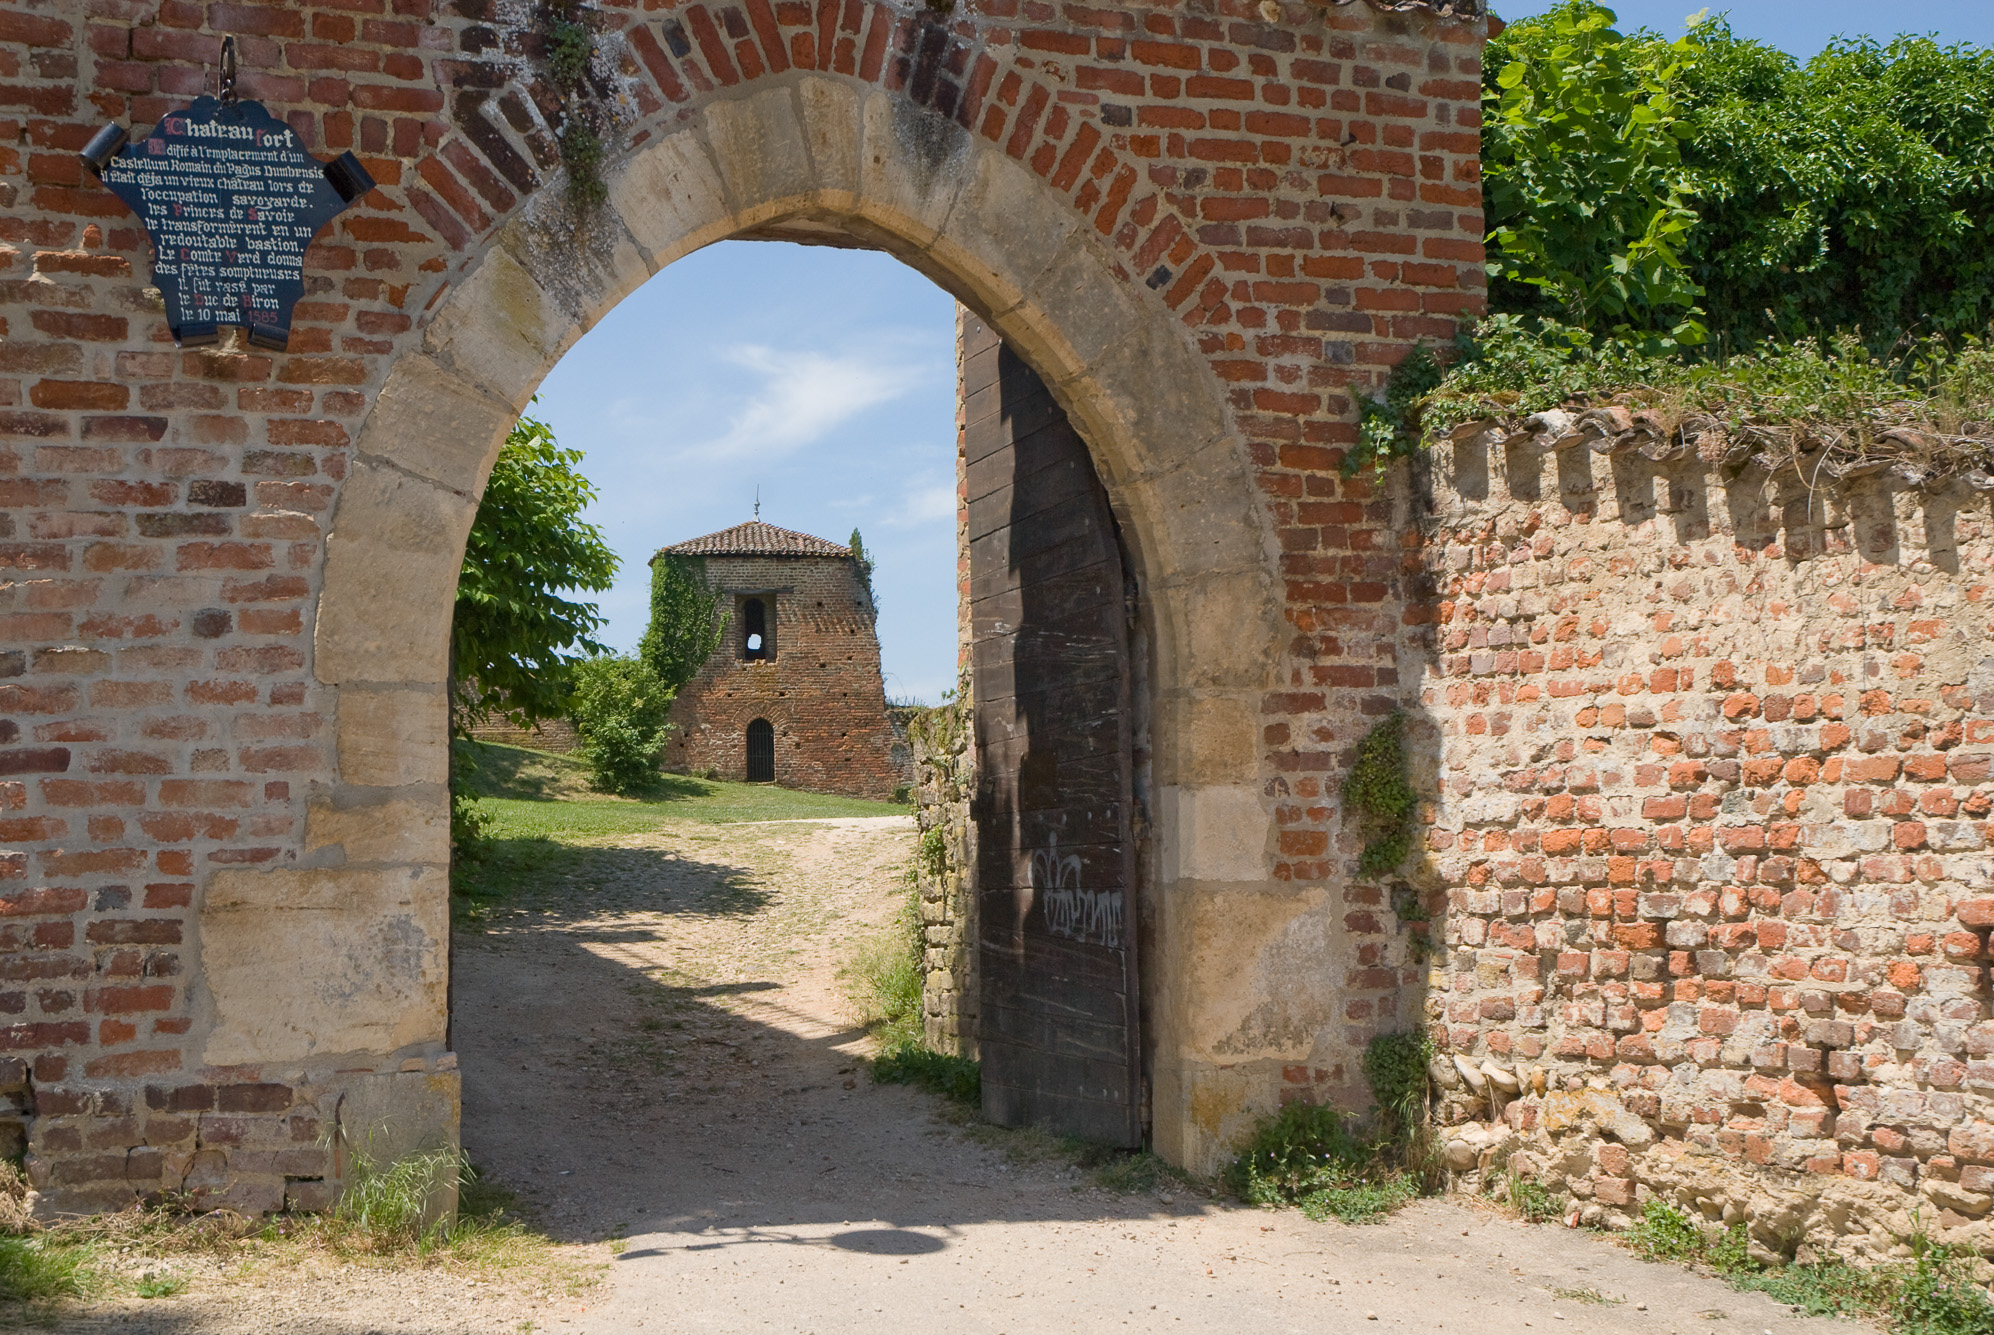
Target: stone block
[(307, 965), (759, 146), (368, 829), (912, 165), (828, 113), (432, 422), (669, 197), (1000, 237), (1214, 833), (390, 736), (500, 329), (392, 561)]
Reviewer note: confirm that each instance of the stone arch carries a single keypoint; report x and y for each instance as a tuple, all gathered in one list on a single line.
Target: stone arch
[(822, 158)]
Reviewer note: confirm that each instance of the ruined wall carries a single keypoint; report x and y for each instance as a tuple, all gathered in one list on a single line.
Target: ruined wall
[(944, 873), (1709, 858), (822, 691), (554, 734)]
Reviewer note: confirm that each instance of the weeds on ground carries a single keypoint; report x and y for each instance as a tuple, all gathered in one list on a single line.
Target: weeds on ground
[(45, 1268), (882, 979), (883, 982), (1934, 1294), (1310, 1156), (1533, 1202), (1334, 1166), (1587, 1295), (910, 1063), (389, 1217)]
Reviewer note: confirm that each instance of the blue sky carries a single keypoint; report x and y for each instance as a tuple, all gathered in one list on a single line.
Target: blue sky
[(826, 378), (1800, 26)]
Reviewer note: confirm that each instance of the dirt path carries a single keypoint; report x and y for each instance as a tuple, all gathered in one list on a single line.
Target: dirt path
[(657, 1055), (671, 1063)]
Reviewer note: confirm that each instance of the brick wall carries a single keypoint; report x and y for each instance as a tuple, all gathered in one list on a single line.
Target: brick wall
[(225, 572), (1709, 860), (822, 692)]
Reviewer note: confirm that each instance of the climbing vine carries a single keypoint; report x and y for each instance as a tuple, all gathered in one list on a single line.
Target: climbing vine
[(1390, 427), (569, 44), (1395, 1066), (1378, 790)]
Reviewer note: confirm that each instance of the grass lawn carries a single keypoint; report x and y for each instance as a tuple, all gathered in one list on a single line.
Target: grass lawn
[(546, 825), (540, 794)]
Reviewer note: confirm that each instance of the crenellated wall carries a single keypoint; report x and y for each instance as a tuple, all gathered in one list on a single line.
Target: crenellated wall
[(1709, 856)]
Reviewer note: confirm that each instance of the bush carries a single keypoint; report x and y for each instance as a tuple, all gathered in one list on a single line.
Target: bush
[(1307, 1155), (621, 710), (1311, 1156), (1656, 188)]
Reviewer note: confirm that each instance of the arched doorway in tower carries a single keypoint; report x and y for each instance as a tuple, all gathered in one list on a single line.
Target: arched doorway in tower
[(761, 751)]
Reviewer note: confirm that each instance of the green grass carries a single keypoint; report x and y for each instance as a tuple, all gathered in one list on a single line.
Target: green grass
[(161, 1286), (1933, 1295), (911, 1063), (45, 1268), (537, 812), (541, 794)]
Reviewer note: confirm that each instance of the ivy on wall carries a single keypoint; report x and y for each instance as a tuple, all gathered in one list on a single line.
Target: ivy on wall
[(1379, 792)]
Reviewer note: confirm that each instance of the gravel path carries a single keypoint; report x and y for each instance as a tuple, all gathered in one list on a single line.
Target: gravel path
[(658, 1056)]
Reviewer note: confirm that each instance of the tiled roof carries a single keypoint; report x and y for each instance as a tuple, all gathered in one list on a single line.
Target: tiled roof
[(755, 538)]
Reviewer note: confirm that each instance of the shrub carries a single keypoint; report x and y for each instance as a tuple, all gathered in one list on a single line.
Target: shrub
[(621, 709), (1653, 188), (1395, 1066)]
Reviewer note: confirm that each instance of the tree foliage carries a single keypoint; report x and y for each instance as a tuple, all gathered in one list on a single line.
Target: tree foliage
[(863, 560), (685, 619), (1636, 186), (514, 638), (1583, 175), (621, 709)]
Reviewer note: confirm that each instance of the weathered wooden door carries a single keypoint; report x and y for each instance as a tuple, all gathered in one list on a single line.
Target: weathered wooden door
[(1055, 875)]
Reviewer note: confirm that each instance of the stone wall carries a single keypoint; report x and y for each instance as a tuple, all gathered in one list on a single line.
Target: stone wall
[(944, 782), (554, 734), (822, 691), (226, 572), (1708, 852)]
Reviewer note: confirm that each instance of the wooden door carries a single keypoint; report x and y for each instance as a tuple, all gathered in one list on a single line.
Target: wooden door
[(1050, 672), (761, 751)]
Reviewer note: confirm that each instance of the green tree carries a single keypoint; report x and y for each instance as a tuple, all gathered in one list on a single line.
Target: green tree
[(622, 711), (515, 638), (685, 619), (1851, 192), (863, 560), (1583, 176), (1636, 186)]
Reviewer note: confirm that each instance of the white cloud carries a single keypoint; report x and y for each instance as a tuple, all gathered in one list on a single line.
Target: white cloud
[(922, 506), (803, 397)]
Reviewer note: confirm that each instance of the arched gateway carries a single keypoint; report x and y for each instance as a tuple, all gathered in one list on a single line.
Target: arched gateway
[(224, 759)]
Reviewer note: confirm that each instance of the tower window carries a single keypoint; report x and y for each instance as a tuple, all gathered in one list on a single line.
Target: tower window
[(757, 628)]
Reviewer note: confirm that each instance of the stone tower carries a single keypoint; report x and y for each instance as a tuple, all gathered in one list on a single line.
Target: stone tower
[(792, 694)]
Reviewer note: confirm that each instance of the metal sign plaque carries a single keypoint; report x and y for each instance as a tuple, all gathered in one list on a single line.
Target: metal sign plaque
[(230, 199)]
